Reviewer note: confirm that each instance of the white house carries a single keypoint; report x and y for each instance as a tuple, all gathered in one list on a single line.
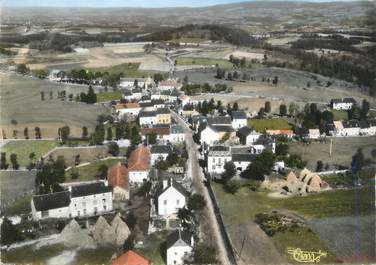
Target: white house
[(241, 161), (159, 152), (124, 109), (218, 156), (147, 118), (239, 119), (247, 136), (170, 85), (185, 100), (141, 82), (171, 198), (342, 103), (139, 165), (214, 133), (79, 201), (314, 134), (346, 128), (176, 135), (368, 127), (179, 247), (56, 75)]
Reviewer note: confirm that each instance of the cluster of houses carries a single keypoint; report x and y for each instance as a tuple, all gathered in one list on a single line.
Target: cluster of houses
[(169, 193), (352, 128)]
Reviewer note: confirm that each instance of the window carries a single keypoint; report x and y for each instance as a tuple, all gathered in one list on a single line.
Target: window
[(104, 207), (177, 202), (95, 202), (78, 213), (45, 213), (213, 160), (165, 202), (104, 200), (84, 211)]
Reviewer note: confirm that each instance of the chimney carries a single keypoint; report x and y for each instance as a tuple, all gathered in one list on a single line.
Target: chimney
[(165, 183), (192, 242)]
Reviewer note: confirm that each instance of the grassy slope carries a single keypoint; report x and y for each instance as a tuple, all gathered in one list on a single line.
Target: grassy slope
[(273, 124), (90, 172), (127, 69), (204, 61), (109, 96), (24, 148), (339, 115)]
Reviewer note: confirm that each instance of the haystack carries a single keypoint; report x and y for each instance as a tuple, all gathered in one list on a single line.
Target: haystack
[(99, 228), (291, 178), (73, 236), (121, 230)]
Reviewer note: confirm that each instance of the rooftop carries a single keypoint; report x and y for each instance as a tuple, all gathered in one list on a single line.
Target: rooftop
[(117, 176), (139, 159), (238, 115), (161, 149), (178, 237), (131, 258), (90, 189), (219, 120), (51, 201)]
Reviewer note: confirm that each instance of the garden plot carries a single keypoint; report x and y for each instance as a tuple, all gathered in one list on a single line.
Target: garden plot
[(247, 55)]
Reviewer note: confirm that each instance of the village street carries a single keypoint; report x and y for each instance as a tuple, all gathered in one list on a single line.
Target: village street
[(196, 174)]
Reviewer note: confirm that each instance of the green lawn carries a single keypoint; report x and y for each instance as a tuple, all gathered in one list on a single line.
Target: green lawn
[(189, 40), (325, 204), (127, 69), (269, 124), (109, 96), (204, 61), (154, 247), (304, 239), (90, 172), (339, 115), (24, 148), (20, 206)]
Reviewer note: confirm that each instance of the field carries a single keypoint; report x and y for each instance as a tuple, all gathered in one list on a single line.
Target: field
[(204, 62), (90, 172), (126, 69), (240, 209), (343, 149), (24, 148), (21, 106), (58, 254), (109, 96), (87, 154), (261, 125), (339, 115)]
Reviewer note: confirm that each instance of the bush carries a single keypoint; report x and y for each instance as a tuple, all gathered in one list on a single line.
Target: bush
[(231, 186), (269, 223), (204, 254), (196, 202)]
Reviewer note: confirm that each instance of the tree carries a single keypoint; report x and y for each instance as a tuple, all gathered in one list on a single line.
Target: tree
[(235, 106), (319, 166), (3, 161), (283, 109), (196, 202), (74, 173), (91, 97), (229, 76), (293, 109), (281, 149), (261, 112), (26, 133), (102, 171), (131, 220), (22, 69), (152, 138), (135, 136), (13, 161), (9, 232), (267, 107), (113, 149), (365, 109), (243, 62), (129, 243), (230, 171), (185, 80), (109, 134), (231, 186), (64, 133), (84, 132), (42, 95), (204, 254), (235, 75), (220, 73), (275, 81), (38, 134), (261, 166)]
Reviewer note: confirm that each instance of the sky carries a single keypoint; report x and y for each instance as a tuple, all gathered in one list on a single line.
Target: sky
[(124, 3)]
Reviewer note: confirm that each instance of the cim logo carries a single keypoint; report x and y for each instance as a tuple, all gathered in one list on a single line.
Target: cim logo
[(306, 256)]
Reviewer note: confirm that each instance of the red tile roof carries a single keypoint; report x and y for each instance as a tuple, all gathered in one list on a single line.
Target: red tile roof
[(117, 176), (139, 159), (131, 258), (280, 132)]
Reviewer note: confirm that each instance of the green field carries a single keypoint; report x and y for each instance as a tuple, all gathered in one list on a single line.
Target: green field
[(127, 69), (20, 206), (304, 239), (153, 247), (325, 204), (269, 124), (189, 40), (109, 96), (24, 148), (204, 61), (90, 172), (339, 115)]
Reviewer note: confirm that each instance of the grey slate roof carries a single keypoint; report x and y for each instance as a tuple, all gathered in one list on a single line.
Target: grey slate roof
[(239, 115), (175, 129), (244, 131), (243, 157), (51, 201), (350, 124), (176, 185), (161, 149), (90, 189), (222, 128), (163, 111), (147, 114), (178, 237), (219, 120), (220, 148)]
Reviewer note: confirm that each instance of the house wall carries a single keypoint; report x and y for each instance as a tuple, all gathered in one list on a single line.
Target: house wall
[(342, 106), (349, 131), (176, 254), (175, 138), (133, 111), (138, 176), (163, 118), (62, 212), (148, 120), (120, 194), (252, 138), (209, 136), (239, 123), (241, 165), (170, 201), (156, 157), (216, 163), (91, 205)]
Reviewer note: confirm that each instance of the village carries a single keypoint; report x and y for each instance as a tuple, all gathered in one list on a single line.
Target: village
[(234, 134)]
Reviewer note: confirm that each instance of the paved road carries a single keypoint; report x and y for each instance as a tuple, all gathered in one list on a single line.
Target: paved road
[(197, 176)]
